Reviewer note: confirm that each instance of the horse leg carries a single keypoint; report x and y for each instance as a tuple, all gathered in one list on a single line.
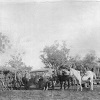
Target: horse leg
[(80, 85), (91, 82), (61, 83), (68, 83), (47, 87), (86, 85), (44, 88), (72, 83), (64, 85), (77, 86), (54, 82), (53, 85)]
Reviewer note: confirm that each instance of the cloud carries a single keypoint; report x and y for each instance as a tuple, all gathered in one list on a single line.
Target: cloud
[(31, 26), (19, 1), (46, 0)]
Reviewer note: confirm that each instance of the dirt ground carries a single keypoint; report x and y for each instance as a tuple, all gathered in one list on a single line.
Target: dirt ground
[(68, 94)]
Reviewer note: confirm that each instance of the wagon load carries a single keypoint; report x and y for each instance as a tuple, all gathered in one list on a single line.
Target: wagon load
[(12, 77), (7, 76), (41, 76)]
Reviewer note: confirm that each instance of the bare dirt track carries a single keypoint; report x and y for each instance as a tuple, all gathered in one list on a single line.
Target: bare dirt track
[(57, 94)]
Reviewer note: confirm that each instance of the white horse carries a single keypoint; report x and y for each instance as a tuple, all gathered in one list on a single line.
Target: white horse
[(88, 76)]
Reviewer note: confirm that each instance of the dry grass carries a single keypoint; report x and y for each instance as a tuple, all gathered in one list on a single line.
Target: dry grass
[(70, 94)]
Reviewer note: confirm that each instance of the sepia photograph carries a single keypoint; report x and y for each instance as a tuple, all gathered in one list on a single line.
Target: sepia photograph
[(49, 49)]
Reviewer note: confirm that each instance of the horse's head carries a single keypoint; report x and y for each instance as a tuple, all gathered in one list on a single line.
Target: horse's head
[(65, 71)]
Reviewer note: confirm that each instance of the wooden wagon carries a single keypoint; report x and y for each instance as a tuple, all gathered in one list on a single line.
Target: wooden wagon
[(36, 74)]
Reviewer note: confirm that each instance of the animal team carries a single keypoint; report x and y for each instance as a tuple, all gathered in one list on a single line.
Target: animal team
[(65, 77), (68, 76)]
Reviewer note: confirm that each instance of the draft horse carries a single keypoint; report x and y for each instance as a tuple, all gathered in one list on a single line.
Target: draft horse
[(63, 77), (89, 76)]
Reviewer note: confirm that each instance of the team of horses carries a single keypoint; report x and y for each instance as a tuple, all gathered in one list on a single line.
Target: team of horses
[(68, 77), (65, 77)]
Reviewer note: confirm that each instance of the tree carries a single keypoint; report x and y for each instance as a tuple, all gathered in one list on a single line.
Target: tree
[(4, 43), (89, 61), (76, 62), (16, 61), (55, 55)]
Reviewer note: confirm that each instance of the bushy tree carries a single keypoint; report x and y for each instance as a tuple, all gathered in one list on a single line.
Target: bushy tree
[(55, 55), (89, 61), (17, 63), (15, 60), (76, 62)]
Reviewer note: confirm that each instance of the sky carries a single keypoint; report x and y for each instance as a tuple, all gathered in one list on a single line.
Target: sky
[(33, 24)]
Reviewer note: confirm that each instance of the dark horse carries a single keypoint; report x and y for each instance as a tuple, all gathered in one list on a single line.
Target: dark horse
[(63, 77)]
